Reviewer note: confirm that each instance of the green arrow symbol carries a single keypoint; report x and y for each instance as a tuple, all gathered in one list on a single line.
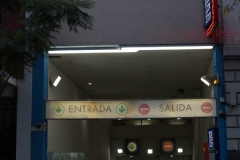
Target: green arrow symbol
[(58, 110), (131, 147), (122, 109)]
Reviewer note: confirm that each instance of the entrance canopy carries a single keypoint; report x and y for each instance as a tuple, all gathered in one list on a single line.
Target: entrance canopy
[(130, 109), (135, 72)]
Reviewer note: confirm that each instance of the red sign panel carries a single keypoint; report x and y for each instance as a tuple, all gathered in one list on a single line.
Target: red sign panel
[(167, 146), (206, 107), (143, 109)]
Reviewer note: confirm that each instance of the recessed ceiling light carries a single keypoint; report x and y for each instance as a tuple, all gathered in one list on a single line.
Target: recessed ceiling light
[(178, 118), (180, 150), (150, 151), (131, 156), (148, 119), (89, 84), (119, 119), (120, 150), (171, 156)]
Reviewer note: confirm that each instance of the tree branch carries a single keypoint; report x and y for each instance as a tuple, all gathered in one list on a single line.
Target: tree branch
[(4, 85)]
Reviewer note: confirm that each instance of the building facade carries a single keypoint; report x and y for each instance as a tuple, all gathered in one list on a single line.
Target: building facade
[(231, 70), (135, 23)]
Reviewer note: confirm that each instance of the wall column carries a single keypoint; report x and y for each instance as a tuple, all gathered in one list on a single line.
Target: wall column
[(39, 95), (218, 93)]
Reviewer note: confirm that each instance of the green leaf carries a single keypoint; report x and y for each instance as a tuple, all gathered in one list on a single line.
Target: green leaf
[(45, 17)]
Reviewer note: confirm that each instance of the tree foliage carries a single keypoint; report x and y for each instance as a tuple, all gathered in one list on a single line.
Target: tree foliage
[(42, 18)]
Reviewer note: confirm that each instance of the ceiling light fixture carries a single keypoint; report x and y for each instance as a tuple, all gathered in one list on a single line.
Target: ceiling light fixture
[(206, 80), (56, 81), (178, 118), (129, 49), (150, 151), (91, 51), (120, 150), (89, 84), (180, 150), (171, 155), (168, 48)]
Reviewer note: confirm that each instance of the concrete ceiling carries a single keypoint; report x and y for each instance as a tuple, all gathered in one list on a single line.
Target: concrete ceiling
[(140, 75)]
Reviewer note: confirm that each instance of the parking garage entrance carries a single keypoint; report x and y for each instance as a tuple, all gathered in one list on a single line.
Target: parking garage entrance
[(108, 104), (121, 130)]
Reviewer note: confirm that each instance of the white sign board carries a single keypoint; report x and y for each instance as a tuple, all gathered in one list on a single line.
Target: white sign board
[(130, 109)]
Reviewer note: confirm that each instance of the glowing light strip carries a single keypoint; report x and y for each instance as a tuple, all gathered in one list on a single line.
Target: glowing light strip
[(57, 81), (210, 28), (130, 49), (89, 51), (205, 81), (168, 48)]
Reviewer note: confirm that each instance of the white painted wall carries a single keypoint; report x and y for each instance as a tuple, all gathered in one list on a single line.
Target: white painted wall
[(24, 108), (202, 124), (141, 22), (66, 89), (90, 137)]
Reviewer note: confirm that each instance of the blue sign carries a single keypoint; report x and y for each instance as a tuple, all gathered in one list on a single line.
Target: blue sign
[(207, 13), (213, 140)]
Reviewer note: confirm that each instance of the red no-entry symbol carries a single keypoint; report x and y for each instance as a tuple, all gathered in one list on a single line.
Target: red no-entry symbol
[(167, 146), (143, 109), (206, 107)]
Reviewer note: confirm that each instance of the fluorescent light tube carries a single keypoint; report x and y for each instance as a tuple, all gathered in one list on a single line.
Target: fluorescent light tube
[(205, 81), (168, 48), (90, 51), (57, 81), (129, 49)]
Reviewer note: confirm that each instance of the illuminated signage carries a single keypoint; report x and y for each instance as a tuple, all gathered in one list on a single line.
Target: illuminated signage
[(210, 15), (207, 13), (212, 138), (130, 109), (131, 146), (213, 143), (167, 146)]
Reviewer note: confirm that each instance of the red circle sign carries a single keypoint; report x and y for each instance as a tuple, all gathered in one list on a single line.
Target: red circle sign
[(143, 109), (167, 146), (206, 107)]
